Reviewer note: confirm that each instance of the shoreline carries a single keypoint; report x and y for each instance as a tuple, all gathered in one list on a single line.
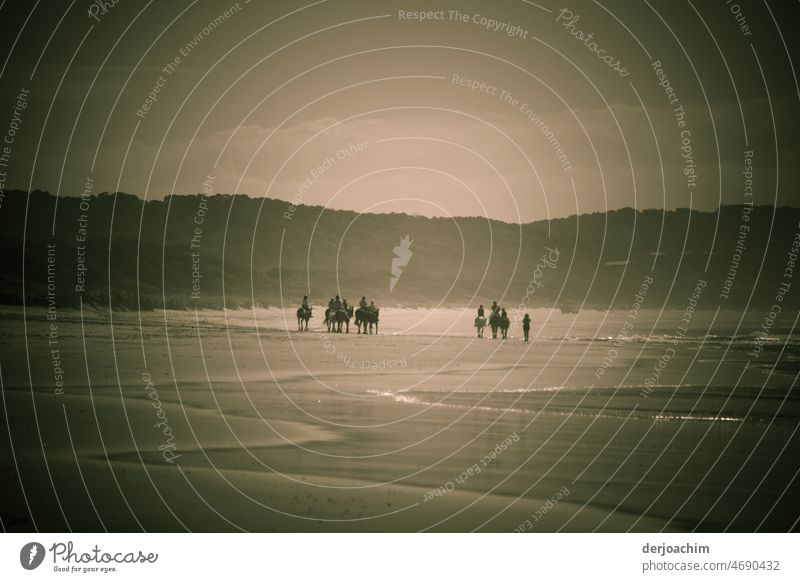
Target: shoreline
[(272, 432)]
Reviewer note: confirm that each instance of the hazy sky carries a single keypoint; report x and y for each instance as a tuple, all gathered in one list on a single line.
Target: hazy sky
[(358, 105)]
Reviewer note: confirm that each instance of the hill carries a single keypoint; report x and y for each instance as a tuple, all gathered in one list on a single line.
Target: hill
[(256, 250)]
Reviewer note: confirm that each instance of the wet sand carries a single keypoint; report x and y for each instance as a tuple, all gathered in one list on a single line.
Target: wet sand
[(277, 431)]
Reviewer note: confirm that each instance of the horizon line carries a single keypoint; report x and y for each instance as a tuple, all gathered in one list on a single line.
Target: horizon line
[(166, 197)]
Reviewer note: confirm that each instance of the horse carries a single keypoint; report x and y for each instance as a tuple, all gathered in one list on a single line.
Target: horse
[(494, 322), (480, 323), (367, 317), (303, 315), (504, 323), (334, 318)]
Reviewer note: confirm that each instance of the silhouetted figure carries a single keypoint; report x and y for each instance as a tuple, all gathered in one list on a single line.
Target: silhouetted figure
[(494, 319), (367, 318), (526, 326), (480, 321), (504, 323), (330, 314), (303, 315)]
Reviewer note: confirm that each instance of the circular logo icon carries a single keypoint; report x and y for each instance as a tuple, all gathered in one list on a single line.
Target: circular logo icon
[(31, 555)]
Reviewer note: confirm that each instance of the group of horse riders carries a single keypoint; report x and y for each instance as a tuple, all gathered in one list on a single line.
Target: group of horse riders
[(498, 318), (338, 304), (339, 312)]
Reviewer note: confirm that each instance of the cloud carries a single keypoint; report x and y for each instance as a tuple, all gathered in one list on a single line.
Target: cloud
[(406, 155)]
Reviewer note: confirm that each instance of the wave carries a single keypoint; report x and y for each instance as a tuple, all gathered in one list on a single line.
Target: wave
[(405, 398), (591, 407)]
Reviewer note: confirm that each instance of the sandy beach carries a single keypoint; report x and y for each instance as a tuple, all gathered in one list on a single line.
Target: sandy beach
[(195, 425)]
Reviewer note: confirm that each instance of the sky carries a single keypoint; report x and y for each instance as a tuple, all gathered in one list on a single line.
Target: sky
[(514, 110)]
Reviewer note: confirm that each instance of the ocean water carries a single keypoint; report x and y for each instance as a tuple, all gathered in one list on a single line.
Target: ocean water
[(774, 407), (712, 375)]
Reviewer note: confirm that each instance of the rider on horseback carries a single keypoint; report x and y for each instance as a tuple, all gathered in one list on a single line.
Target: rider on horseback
[(303, 315), (481, 312), (363, 303), (337, 304), (495, 308)]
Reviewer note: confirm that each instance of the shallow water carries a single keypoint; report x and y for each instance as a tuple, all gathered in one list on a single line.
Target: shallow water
[(547, 323)]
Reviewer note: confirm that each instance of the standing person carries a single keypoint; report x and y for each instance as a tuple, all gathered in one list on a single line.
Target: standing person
[(526, 325)]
